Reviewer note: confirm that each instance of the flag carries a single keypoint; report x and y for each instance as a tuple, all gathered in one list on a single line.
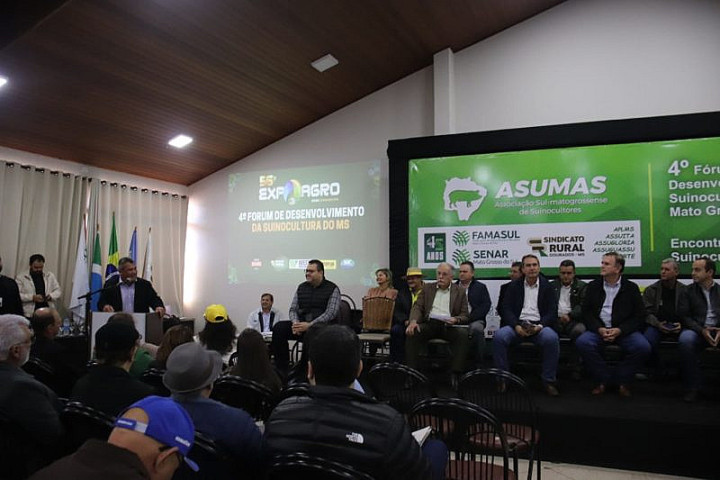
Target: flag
[(147, 262), (111, 270), (96, 275), (133, 246), (81, 280)]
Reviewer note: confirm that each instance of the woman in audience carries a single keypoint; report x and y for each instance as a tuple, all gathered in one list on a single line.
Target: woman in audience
[(383, 277), (253, 362), (175, 336), (219, 332)]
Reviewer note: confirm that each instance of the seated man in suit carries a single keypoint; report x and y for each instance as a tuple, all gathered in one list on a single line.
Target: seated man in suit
[(613, 311), (514, 273), (108, 386), (439, 307), (700, 308), (336, 422), (529, 315), (478, 307), (28, 404), (130, 293)]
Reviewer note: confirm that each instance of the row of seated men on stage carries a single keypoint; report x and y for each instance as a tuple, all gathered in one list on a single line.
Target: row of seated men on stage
[(607, 311), (153, 435)]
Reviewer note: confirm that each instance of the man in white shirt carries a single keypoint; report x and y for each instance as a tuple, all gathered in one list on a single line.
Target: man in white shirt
[(529, 313), (614, 313), (263, 318), (699, 307), (439, 306)]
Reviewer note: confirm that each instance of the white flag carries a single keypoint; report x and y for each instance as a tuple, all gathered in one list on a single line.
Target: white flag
[(81, 278), (147, 262)]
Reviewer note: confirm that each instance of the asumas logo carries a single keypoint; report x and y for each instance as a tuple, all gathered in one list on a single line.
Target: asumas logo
[(463, 196), (293, 190)]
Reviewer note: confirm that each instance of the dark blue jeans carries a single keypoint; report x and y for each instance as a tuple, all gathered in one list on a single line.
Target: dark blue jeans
[(636, 350)]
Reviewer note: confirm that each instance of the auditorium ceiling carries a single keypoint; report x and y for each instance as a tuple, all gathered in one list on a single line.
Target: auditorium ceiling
[(108, 82)]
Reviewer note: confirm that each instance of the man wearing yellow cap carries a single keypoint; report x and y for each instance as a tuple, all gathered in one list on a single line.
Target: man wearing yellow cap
[(403, 303)]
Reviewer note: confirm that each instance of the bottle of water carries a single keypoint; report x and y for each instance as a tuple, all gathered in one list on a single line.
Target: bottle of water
[(65, 331)]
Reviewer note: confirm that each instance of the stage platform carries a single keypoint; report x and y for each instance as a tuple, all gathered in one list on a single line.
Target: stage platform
[(653, 431)]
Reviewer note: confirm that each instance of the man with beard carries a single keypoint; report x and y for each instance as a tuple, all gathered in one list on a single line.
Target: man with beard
[(38, 288)]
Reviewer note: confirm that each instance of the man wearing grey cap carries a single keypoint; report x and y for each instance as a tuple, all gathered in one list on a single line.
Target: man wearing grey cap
[(150, 440), (191, 372)]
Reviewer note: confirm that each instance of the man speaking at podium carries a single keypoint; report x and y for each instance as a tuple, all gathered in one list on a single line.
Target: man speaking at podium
[(129, 294)]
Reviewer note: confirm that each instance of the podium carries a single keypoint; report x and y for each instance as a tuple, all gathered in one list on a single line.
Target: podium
[(149, 325)]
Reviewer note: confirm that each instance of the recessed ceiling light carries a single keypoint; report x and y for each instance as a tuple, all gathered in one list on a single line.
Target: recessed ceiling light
[(3, 81), (323, 63), (180, 141)]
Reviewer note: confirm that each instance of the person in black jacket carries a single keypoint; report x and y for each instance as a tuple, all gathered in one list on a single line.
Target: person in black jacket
[(478, 307), (529, 315), (9, 295), (144, 297), (614, 313), (401, 316), (340, 424)]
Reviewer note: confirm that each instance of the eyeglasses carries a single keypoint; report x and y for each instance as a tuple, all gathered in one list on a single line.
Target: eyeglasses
[(28, 342), (310, 271)]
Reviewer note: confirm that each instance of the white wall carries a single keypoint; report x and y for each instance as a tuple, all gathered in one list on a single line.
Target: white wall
[(585, 60), (356, 133), (593, 60)]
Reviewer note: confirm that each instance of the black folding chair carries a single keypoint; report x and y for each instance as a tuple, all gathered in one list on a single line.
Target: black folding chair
[(297, 466), (253, 397)]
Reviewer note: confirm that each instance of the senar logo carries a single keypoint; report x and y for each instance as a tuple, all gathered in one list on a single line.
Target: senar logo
[(463, 196)]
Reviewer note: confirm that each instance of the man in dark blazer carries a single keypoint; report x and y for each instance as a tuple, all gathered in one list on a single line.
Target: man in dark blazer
[(529, 314), (439, 308), (478, 307), (614, 313), (130, 289), (514, 274)]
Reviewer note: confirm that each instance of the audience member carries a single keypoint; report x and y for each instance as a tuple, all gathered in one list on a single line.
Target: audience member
[(142, 358), (341, 424), (316, 300), (529, 315), (383, 277), (24, 402), (700, 308), (37, 287), (191, 372), (515, 273), (129, 293), (613, 312), (253, 361), (478, 307), (219, 332), (176, 335), (439, 307), (149, 441), (108, 386), (264, 318), (45, 324), (401, 317), (9, 295)]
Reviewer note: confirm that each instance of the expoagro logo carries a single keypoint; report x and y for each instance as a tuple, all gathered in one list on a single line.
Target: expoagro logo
[(293, 190)]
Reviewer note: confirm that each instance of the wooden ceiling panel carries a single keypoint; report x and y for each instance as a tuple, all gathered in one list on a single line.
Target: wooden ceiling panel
[(107, 83)]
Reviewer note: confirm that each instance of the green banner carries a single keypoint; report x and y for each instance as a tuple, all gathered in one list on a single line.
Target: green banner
[(648, 201)]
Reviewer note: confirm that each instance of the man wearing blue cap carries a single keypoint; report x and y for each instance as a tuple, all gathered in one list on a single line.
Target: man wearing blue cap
[(150, 440)]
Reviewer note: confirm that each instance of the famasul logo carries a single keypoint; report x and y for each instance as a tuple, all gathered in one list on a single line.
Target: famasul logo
[(463, 196), (460, 256), (461, 238)]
